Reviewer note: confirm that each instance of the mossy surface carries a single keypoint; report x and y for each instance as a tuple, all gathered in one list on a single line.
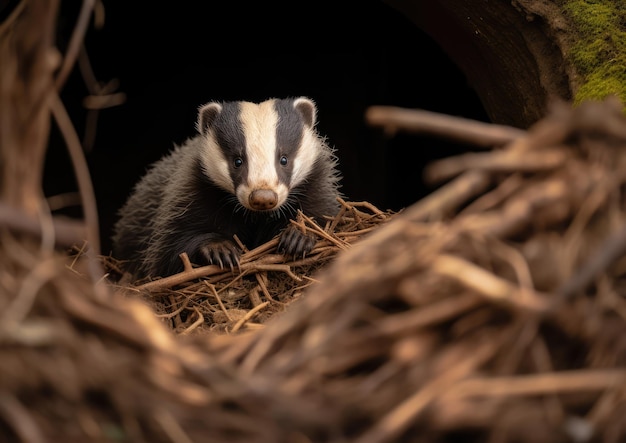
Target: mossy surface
[(600, 55)]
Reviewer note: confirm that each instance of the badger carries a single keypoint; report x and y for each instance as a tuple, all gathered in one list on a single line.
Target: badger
[(247, 173)]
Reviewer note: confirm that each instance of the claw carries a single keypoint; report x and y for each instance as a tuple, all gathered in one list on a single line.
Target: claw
[(223, 253), (294, 243)]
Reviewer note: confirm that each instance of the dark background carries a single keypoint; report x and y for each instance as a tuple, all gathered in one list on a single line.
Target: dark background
[(171, 57)]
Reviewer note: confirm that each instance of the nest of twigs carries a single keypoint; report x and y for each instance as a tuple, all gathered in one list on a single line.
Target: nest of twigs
[(210, 298)]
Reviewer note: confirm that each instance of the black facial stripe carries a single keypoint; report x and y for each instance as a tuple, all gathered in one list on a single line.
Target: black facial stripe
[(232, 140), (289, 131)]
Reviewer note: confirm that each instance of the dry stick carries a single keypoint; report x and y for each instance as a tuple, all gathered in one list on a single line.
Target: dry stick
[(489, 285), (352, 206), (457, 128), (369, 206), (314, 227), (102, 96), (80, 252), (240, 243), (262, 282), (253, 295), (276, 268), (583, 380), (204, 271), (67, 233), (76, 41), (219, 300), (364, 218), (248, 316), (89, 77), (95, 102), (85, 185), (499, 161), (63, 200), (310, 281), (339, 216), (186, 263), (258, 251), (360, 218), (195, 324), (356, 214), (176, 317)]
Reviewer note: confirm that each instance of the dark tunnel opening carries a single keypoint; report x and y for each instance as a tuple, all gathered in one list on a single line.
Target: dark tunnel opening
[(169, 60)]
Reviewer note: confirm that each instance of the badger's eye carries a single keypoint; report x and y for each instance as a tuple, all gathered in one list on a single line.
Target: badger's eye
[(283, 160), (238, 162)]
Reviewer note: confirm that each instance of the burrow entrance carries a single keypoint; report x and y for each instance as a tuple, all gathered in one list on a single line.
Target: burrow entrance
[(169, 60)]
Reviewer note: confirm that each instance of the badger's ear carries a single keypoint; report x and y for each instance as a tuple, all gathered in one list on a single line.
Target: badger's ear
[(306, 107), (206, 116)]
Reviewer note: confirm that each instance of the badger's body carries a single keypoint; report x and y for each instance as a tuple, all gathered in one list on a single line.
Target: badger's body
[(250, 170)]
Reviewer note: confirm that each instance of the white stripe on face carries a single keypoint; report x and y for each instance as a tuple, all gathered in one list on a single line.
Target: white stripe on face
[(259, 126)]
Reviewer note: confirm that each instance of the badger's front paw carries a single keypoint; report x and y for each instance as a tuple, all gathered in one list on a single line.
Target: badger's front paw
[(293, 243), (224, 253)]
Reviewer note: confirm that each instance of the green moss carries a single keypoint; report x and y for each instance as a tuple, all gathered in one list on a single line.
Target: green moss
[(600, 55)]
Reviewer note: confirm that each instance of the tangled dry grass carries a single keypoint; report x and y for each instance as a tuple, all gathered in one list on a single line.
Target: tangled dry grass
[(491, 310)]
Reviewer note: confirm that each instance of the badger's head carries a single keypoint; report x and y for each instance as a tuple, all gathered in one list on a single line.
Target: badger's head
[(259, 152)]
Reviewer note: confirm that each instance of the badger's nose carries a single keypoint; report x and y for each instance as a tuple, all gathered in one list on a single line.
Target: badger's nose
[(263, 199)]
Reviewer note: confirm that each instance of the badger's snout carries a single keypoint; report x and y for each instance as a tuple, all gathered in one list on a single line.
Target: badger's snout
[(263, 199)]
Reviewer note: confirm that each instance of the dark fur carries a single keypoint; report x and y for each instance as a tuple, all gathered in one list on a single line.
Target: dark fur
[(176, 208)]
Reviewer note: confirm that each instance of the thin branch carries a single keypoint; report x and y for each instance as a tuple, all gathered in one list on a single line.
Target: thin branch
[(195, 324), (78, 36), (489, 285), (462, 129), (248, 316), (67, 232), (499, 161), (584, 380)]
